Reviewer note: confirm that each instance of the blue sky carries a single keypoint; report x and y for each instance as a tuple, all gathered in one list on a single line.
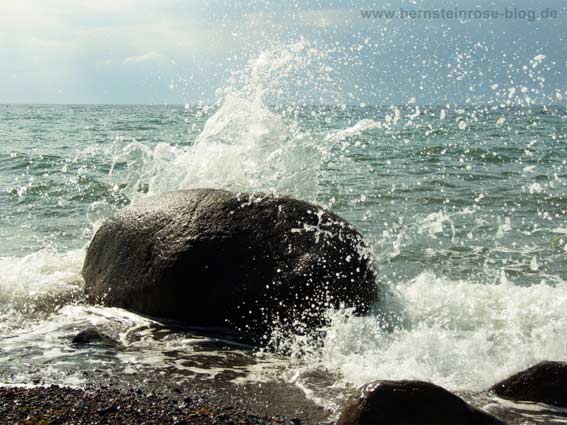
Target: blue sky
[(173, 51)]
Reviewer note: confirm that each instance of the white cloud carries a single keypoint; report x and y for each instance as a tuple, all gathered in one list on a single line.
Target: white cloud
[(325, 18), (146, 57), (111, 6), (69, 46)]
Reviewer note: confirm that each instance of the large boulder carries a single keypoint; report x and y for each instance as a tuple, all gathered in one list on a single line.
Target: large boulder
[(410, 402), (215, 258), (545, 382)]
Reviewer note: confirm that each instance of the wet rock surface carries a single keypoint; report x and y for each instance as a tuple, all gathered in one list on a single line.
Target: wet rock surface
[(545, 382), (410, 402), (215, 258), (94, 337)]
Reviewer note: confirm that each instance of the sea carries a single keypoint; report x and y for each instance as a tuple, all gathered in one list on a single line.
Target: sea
[(464, 208)]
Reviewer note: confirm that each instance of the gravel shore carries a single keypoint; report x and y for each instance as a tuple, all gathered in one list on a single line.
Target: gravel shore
[(63, 405)]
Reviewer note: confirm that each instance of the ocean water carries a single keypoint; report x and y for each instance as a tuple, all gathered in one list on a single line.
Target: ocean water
[(464, 208)]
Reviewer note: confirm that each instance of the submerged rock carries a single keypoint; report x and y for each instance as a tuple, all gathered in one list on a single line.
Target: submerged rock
[(212, 257), (410, 402), (93, 336), (545, 382)]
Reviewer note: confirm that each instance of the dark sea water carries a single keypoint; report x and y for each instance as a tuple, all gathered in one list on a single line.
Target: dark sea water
[(464, 208)]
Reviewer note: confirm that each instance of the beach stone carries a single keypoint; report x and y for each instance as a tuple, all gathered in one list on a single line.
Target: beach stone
[(545, 382), (410, 402), (216, 258), (92, 336)]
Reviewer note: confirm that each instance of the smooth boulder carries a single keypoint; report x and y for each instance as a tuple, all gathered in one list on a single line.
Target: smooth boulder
[(545, 382), (216, 258), (410, 402)]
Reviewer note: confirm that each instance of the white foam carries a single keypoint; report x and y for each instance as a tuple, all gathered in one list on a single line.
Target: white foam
[(25, 282), (358, 128), (459, 334)]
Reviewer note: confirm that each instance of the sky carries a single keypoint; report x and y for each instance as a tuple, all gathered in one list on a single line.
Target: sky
[(183, 51)]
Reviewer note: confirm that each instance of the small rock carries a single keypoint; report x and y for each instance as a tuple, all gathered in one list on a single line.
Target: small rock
[(410, 402), (107, 410), (93, 336), (546, 382)]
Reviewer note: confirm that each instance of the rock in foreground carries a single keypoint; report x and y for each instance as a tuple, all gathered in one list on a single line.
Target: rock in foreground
[(410, 402), (212, 257), (546, 382)]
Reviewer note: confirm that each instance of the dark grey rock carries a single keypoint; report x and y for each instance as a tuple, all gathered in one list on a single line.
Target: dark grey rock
[(410, 402), (545, 382), (215, 258), (93, 336)]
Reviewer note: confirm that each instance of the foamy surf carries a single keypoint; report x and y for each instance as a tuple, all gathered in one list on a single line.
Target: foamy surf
[(36, 285), (463, 335)]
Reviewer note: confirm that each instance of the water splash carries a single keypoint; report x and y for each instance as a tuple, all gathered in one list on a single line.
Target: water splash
[(34, 286), (458, 334), (244, 145)]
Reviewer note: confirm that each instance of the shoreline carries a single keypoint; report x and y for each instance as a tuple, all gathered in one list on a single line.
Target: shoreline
[(125, 404), (108, 405)]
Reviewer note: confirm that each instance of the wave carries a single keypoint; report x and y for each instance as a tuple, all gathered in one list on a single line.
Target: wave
[(355, 130), (462, 335), (36, 285)]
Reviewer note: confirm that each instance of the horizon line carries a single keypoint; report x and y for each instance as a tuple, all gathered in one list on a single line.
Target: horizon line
[(450, 104)]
